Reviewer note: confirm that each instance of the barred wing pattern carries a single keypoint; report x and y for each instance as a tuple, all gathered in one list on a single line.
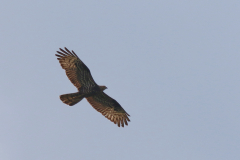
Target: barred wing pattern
[(109, 108), (77, 72)]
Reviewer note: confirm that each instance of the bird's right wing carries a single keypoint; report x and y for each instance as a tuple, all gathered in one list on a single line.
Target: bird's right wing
[(77, 72), (109, 108)]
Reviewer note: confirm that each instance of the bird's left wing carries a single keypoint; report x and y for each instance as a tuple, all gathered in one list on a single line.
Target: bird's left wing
[(77, 72), (109, 108)]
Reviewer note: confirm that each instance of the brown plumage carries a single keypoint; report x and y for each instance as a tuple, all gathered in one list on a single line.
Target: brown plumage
[(79, 74)]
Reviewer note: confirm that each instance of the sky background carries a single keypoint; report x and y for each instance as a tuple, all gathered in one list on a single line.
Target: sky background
[(172, 65)]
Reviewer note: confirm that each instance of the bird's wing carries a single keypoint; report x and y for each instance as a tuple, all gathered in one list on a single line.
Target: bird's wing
[(77, 72), (109, 108)]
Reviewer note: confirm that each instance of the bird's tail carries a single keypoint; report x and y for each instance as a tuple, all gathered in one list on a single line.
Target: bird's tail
[(72, 98)]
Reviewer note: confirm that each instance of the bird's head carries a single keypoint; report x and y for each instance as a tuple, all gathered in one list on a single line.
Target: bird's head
[(102, 88)]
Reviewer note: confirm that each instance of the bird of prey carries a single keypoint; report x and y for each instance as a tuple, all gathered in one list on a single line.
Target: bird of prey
[(79, 74)]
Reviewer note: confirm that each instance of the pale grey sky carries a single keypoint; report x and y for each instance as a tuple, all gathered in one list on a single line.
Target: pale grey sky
[(172, 65)]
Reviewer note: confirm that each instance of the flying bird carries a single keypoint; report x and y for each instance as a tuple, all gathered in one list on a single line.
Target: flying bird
[(79, 74)]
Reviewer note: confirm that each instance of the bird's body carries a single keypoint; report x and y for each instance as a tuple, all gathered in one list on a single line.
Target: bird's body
[(79, 74)]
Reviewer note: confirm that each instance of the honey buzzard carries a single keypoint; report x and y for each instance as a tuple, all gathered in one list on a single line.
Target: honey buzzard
[(79, 74)]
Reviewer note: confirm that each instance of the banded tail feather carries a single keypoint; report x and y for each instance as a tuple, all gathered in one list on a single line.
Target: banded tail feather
[(71, 98)]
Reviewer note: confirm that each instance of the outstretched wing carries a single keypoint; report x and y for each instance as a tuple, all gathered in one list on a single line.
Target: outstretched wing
[(77, 72), (110, 108)]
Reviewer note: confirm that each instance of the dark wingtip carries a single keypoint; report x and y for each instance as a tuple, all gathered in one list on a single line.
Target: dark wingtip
[(66, 49), (60, 49)]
